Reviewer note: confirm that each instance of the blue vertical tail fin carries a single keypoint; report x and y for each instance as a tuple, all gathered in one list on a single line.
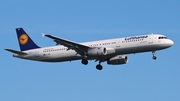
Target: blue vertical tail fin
[(25, 42)]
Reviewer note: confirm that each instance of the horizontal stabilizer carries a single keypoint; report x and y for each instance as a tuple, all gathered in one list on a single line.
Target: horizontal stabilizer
[(16, 52)]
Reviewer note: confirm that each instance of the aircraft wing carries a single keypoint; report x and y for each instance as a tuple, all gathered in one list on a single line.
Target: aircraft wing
[(16, 52), (79, 48)]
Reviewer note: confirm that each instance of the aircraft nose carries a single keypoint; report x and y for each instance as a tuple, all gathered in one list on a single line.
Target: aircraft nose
[(170, 42)]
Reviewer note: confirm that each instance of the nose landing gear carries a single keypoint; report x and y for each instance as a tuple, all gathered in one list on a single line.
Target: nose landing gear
[(154, 57)]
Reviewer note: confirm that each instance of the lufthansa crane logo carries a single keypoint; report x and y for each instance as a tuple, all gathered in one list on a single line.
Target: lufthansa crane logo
[(23, 39)]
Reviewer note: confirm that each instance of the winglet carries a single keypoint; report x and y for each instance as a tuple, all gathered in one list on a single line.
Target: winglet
[(43, 34)]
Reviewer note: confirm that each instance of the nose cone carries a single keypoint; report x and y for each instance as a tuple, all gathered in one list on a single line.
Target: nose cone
[(170, 42)]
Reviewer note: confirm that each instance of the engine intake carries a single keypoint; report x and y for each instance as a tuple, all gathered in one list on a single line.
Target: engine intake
[(118, 60)]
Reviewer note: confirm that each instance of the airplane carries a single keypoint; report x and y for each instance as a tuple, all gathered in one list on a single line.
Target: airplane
[(111, 51)]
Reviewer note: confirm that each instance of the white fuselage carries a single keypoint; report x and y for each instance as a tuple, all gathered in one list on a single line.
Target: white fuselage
[(128, 45)]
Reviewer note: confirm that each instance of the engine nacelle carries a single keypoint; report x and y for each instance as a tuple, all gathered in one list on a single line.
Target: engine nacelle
[(97, 51), (110, 51), (118, 60)]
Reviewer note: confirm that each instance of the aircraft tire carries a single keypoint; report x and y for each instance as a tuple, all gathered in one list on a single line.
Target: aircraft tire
[(84, 61), (154, 57), (99, 67)]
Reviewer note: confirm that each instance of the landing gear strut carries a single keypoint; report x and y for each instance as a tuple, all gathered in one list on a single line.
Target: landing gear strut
[(84, 61), (154, 57)]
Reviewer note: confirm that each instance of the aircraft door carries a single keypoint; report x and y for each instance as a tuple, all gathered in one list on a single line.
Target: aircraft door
[(118, 45), (150, 40), (37, 54), (34, 54)]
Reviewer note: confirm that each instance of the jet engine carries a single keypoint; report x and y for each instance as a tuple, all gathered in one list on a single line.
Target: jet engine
[(97, 51), (118, 60)]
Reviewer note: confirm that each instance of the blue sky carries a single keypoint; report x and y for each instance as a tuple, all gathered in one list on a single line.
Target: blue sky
[(142, 79)]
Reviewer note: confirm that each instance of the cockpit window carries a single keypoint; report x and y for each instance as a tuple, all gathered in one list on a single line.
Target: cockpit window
[(162, 37)]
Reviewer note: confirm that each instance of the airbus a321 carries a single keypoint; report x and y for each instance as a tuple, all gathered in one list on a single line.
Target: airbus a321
[(111, 51)]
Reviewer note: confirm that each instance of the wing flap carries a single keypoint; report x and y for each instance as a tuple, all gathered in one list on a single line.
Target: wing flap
[(16, 52)]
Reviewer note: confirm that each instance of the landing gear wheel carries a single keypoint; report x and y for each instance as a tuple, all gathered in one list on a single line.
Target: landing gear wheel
[(154, 57), (99, 67), (84, 61)]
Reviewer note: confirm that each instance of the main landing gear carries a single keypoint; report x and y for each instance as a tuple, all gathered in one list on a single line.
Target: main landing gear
[(84, 61), (153, 53), (98, 67)]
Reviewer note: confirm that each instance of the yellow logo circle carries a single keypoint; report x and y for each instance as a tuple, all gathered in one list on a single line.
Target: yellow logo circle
[(23, 39)]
